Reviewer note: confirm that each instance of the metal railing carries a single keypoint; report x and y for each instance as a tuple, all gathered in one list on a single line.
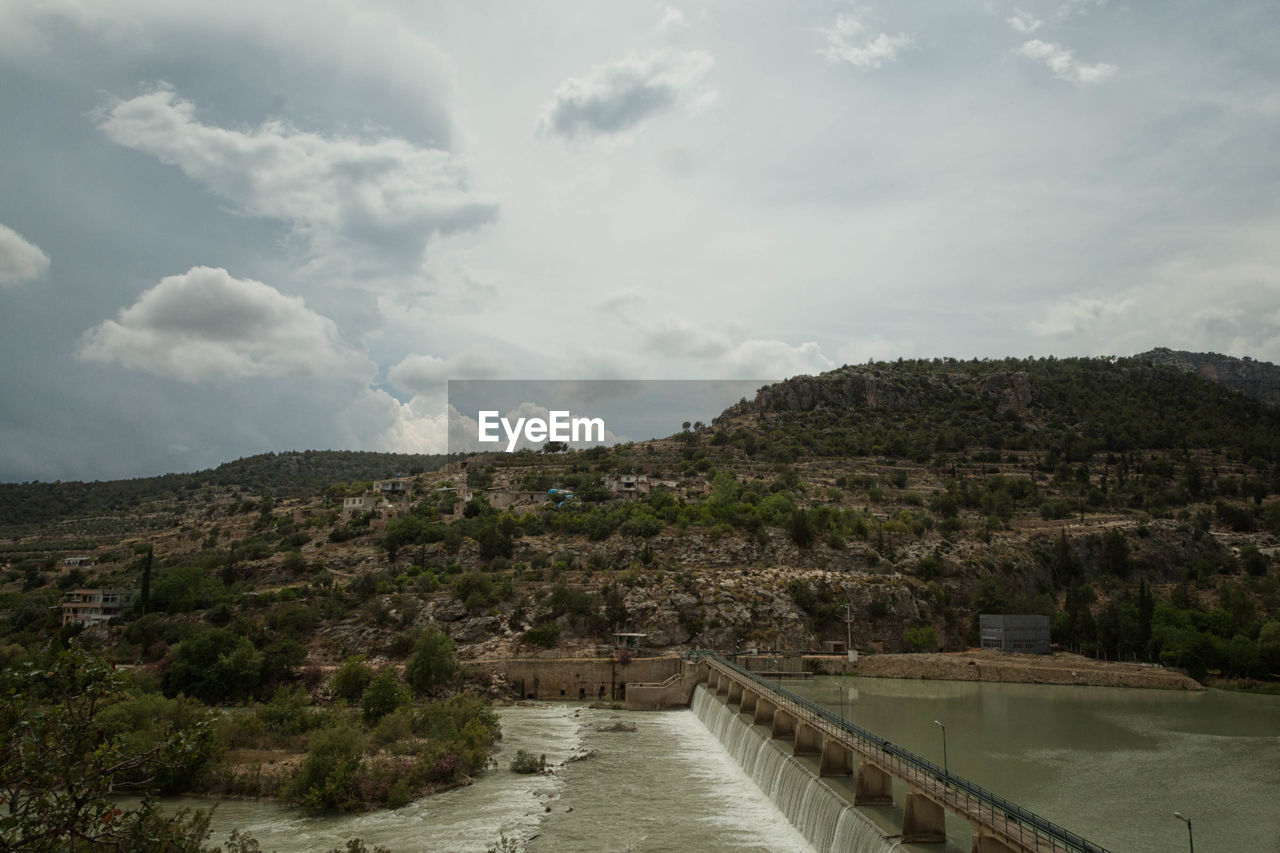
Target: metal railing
[(1009, 819), (670, 680)]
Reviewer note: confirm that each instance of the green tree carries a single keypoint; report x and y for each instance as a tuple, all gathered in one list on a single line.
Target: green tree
[(215, 666), (432, 664), (383, 695), (59, 769), (351, 679), (922, 639), (327, 780)]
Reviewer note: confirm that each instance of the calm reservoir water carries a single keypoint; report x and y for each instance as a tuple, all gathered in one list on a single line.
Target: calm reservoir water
[(1110, 764)]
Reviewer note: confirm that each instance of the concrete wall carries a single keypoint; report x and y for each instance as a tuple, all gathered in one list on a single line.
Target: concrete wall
[(590, 679)]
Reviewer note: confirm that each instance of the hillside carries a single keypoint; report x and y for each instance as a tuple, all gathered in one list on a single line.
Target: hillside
[(1069, 408), (272, 474), (1259, 380), (1136, 505)]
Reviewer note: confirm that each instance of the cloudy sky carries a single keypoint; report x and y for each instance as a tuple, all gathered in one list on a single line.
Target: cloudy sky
[(233, 227)]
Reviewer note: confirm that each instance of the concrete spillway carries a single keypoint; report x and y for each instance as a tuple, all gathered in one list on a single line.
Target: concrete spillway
[(828, 820)]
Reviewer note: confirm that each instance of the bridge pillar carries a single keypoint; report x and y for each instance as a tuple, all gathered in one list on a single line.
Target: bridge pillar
[(989, 844), (764, 712), (923, 821), (837, 759), (874, 787), (713, 679), (735, 693), (784, 725), (749, 699), (808, 740), (722, 687)]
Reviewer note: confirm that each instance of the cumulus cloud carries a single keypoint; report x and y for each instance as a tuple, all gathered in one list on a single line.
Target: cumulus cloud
[(426, 374), (337, 192), (848, 41), (672, 19), (614, 98), (1063, 63), (20, 261), (748, 359), (1023, 22), (206, 324), (862, 350), (769, 358), (418, 426), (1073, 316)]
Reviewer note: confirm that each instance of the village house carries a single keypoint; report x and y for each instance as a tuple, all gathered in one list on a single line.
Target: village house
[(628, 485), (91, 607), (360, 503)]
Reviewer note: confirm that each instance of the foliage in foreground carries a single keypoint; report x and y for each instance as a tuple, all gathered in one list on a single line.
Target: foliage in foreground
[(60, 767)]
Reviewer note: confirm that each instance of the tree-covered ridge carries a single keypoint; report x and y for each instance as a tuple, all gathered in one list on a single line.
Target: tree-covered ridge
[(1259, 380), (292, 474), (1074, 407)]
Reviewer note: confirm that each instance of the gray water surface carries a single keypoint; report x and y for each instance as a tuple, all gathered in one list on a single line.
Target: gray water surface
[(1111, 764)]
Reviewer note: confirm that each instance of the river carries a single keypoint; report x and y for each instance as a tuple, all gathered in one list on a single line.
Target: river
[(1111, 764)]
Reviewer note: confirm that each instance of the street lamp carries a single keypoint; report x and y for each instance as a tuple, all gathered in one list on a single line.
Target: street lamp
[(1190, 839), (945, 771)]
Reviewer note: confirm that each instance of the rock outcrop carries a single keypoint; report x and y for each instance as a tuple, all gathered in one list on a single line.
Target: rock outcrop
[(1259, 380)]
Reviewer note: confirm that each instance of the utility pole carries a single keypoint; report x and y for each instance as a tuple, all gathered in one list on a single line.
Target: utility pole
[(848, 630)]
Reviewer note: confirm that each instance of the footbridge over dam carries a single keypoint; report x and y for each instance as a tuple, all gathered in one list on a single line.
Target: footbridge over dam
[(843, 748)]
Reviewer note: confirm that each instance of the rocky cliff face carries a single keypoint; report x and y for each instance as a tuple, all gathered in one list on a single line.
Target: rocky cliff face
[(1257, 379)]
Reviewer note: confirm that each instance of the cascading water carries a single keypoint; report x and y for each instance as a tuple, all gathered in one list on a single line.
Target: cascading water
[(823, 816)]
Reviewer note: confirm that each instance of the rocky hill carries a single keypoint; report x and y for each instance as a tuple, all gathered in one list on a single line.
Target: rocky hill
[(1259, 380), (1135, 504)]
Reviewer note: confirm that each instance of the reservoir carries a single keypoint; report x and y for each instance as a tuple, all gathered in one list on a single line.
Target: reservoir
[(1112, 764)]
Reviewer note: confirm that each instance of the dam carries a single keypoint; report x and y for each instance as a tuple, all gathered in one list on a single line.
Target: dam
[(1111, 763), (734, 702), (769, 730)]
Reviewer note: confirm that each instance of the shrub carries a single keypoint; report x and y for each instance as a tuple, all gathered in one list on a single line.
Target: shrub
[(526, 762), (327, 779), (350, 681), (922, 639), (546, 635), (384, 694), (286, 713)]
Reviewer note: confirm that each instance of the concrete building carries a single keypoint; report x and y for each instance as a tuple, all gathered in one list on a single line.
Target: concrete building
[(91, 607), (357, 505), (1027, 634), (628, 485), (395, 486), (77, 562)]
